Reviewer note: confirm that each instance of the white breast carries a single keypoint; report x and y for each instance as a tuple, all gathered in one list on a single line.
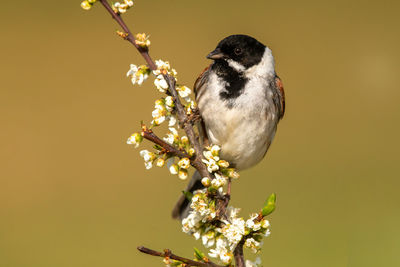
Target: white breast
[(246, 130)]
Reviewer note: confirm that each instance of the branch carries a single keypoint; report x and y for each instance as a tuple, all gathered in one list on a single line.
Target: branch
[(238, 254), (186, 124), (182, 117), (168, 253)]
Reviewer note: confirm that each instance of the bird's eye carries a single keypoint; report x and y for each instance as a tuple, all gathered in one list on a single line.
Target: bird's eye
[(238, 51)]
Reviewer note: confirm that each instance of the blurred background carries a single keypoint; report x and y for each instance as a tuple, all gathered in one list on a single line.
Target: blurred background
[(72, 193)]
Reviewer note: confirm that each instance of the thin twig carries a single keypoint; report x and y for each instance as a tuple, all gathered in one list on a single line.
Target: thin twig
[(149, 135), (129, 37), (168, 253)]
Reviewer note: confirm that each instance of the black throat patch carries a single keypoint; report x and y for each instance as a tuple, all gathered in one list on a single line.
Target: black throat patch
[(235, 81)]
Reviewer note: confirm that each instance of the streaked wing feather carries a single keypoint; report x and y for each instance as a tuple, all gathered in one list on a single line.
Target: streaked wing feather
[(200, 82), (199, 87), (281, 96)]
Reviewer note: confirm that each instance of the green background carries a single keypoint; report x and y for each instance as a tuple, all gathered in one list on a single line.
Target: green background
[(72, 193)]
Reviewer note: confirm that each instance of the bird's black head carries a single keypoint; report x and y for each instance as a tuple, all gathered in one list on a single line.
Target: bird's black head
[(242, 49)]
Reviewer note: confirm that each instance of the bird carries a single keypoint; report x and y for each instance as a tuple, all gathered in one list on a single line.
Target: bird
[(241, 100)]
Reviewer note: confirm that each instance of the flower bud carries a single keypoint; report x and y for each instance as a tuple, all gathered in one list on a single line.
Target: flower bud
[(86, 5), (160, 162), (173, 169), (141, 38), (232, 173), (159, 102), (191, 151), (264, 223), (169, 101), (206, 181), (215, 150), (185, 140), (183, 174), (223, 163)]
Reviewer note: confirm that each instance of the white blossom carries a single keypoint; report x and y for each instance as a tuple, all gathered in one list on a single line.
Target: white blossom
[(208, 239), (135, 139), (252, 244), (215, 150), (206, 181), (161, 84), (218, 181), (184, 163), (159, 113), (212, 165), (196, 235), (221, 251), (234, 232), (160, 162), (232, 173), (172, 136), (138, 74), (212, 158), (265, 223), (223, 163), (148, 157), (190, 222), (184, 92), (171, 121), (173, 169), (163, 67), (252, 224), (182, 174), (169, 102), (255, 263)]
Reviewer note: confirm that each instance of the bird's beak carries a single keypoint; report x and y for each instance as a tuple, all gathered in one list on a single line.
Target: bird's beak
[(216, 54)]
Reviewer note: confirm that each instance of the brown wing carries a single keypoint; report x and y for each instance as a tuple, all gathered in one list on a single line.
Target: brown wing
[(199, 88), (281, 96), (200, 82)]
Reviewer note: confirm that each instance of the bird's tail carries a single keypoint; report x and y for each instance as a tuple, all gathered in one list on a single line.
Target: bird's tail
[(182, 207)]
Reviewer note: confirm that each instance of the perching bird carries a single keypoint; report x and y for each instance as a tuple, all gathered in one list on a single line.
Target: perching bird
[(241, 100)]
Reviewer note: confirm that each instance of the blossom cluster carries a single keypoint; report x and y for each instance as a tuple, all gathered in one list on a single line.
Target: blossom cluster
[(163, 68), (216, 165), (160, 157), (224, 238), (163, 111)]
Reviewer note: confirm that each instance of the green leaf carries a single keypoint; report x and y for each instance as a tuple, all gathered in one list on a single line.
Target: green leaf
[(188, 195), (269, 205), (198, 254)]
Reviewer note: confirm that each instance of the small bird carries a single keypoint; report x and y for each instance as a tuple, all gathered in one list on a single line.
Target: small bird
[(241, 100)]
